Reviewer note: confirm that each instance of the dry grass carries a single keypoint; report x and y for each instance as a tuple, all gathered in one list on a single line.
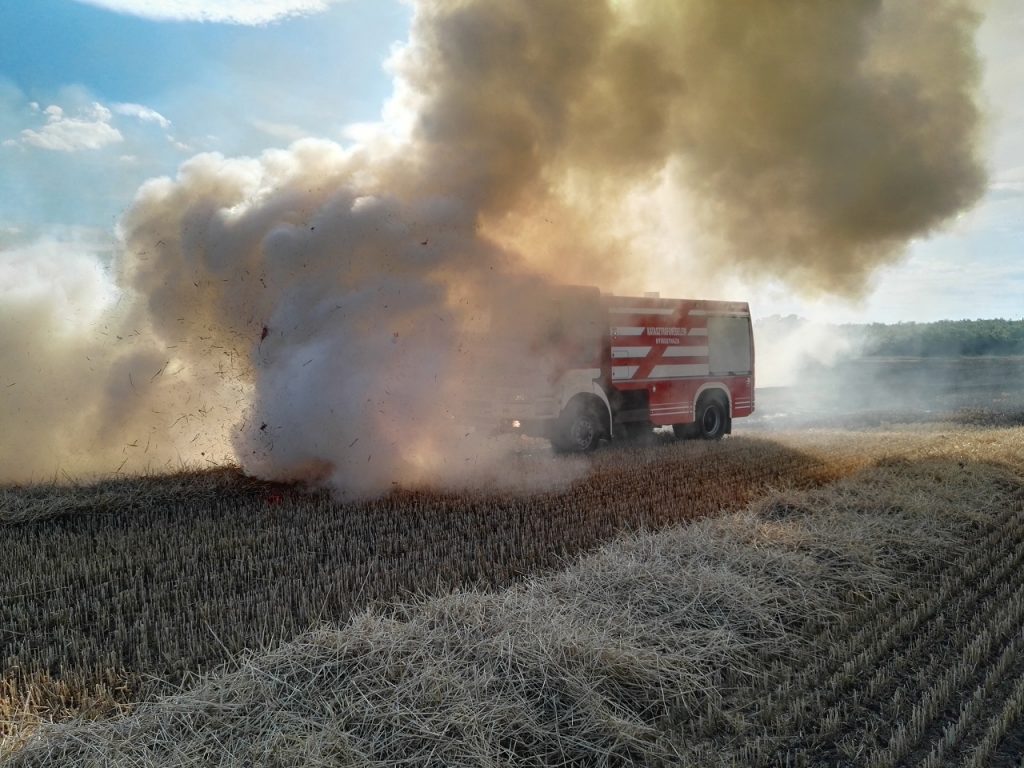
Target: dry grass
[(184, 585), (105, 591), (111, 496), (669, 647)]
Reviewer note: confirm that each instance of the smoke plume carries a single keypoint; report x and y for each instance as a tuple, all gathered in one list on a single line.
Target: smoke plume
[(328, 312)]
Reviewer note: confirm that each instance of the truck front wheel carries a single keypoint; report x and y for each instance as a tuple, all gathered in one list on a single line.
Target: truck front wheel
[(579, 428)]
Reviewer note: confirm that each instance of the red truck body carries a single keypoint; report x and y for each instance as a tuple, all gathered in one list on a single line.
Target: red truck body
[(674, 350), (626, 364)]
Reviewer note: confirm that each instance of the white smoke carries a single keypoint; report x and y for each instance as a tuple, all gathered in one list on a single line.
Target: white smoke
[(353, 310), (79, 380), (329, 313)]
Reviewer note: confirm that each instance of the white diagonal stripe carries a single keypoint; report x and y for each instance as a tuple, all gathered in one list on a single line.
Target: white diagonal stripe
[(624, 371), (642, 311), (618, 352), (676, 371), (682, 351)]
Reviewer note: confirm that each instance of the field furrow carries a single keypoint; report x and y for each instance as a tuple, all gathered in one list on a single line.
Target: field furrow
[(943, 692), (971, 710), (1002, 721), (891, 634), (910, 679), (962, 633)]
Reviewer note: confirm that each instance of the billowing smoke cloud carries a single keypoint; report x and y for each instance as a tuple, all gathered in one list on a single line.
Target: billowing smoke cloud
[(360, 311), (813, 138), (330, 313)]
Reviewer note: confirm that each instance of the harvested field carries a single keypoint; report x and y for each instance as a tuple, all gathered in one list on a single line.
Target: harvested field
[(106, 590), (877, 621), (110, 600)]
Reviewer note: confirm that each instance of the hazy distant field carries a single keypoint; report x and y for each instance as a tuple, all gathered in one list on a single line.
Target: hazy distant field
[(872, 391), (853, 596)]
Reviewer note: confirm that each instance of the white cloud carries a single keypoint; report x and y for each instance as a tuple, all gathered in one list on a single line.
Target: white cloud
[(90, 130), (224, 11), (143, 113), (285, 131), (1009, 181)]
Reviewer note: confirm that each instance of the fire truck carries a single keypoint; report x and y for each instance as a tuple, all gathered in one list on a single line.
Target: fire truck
[(620, 366)]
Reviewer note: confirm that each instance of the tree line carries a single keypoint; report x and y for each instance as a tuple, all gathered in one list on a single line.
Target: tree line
[(944, 338)]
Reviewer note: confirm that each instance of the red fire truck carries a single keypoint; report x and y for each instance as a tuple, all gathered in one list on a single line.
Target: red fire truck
[(627, 364)]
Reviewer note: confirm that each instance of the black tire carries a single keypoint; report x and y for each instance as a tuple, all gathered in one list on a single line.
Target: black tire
[(685, 431), (580, 428), (712, 420)]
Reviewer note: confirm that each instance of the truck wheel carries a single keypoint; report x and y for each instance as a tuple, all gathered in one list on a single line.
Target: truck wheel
[(711, 418), (579, 429), (685, 431)]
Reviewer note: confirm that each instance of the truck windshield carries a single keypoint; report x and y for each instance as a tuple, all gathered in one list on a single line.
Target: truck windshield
[(536, 335), (565, 324)]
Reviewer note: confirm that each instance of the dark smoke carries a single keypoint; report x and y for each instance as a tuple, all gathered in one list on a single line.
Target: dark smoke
[(814, 138), (321, 311)]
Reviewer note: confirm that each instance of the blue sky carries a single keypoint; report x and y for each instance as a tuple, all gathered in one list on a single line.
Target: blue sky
[(97, 96), (227, 87), (325, 65)]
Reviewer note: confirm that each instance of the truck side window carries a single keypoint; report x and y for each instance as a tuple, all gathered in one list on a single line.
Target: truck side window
[(729, 345)]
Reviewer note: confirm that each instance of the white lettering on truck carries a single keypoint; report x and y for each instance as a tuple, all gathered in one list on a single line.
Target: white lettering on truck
[(666, 331)]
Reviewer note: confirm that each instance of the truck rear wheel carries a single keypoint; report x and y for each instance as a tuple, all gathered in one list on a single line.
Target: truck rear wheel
[(712, 419)]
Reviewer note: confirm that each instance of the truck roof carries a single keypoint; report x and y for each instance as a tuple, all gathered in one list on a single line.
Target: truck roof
[(653, 306)]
